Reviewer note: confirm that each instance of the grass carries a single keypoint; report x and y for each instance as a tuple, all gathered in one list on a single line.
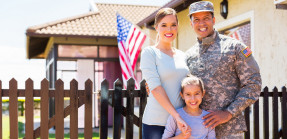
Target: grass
[(6, 129)]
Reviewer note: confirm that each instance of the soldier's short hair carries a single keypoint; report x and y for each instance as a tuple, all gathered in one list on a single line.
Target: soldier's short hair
[(201, 6)]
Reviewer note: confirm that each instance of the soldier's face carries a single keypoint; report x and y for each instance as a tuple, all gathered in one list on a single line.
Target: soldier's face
[(202, 23), (192, 95), (167, 29)]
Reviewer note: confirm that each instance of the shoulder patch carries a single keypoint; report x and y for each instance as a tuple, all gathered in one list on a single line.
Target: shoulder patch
[(246, 52)]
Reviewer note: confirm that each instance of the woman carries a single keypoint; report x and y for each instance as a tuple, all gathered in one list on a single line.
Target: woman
[(163, 67)]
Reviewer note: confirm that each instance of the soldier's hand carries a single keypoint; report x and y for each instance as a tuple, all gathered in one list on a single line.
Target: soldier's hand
[(215, 118), (147, 89)]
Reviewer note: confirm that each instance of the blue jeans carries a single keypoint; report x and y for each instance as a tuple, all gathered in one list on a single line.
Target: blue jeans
[(152, 131)]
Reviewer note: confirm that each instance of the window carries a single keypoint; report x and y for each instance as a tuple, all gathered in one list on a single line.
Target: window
[(240, 32), (77, 51)]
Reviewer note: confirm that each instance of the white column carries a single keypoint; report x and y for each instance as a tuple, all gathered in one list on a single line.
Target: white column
[(85, 71)]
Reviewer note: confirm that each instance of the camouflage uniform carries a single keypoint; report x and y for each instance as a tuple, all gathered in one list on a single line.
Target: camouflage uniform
[(232, 80)]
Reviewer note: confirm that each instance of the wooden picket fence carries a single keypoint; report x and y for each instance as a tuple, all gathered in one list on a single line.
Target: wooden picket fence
[(276, 132), (114, 97), (77, 99)]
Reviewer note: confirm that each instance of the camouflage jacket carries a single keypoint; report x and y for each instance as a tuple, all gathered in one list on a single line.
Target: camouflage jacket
[(232, 78)]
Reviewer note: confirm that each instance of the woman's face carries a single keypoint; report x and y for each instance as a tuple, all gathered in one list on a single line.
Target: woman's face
[(167, 29)]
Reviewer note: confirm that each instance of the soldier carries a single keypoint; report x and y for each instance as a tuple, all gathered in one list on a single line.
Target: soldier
[(229, 71)]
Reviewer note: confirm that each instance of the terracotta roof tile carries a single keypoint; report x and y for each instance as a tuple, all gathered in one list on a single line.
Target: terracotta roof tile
[(100, 23)]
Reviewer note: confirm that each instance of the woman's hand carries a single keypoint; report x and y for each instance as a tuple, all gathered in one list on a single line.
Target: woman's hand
[(183, 135), (183, 127), (146, 88), (187, 133)]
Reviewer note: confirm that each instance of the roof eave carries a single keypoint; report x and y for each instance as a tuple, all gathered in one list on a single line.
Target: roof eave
[(172, 4), (32, 34), (151, 17)]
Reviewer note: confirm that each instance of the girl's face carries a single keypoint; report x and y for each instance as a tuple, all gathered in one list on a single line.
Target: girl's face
[(167, 29), (192, 95)]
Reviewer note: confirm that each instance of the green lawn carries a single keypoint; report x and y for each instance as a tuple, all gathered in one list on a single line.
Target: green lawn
[(6, 129)]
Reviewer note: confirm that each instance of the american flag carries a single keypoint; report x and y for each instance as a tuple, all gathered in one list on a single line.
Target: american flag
[(236, 35), (242, 33), (130, 41)]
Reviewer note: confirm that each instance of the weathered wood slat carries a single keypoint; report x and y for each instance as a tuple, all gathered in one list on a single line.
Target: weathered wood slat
[(52, 120), (59, 109), (1, 109), (143, 99), (275, 113), (74, 109), (104, 109), (256, 119), (266, 113), (135, 118), (128, 112), (13, 108), (117, 121), (88, 133), (247, 119), (284, 113), (44, 109), (29, 111), (130, 109), (37, 93)]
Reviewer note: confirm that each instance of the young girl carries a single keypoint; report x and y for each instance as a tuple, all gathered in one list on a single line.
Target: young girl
[(192, 92)]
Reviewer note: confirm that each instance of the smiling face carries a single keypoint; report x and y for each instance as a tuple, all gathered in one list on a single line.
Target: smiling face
[(202, 23), (167, 29), (192, 95)]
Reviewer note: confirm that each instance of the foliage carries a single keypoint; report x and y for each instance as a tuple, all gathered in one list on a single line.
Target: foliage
[(21, 125)]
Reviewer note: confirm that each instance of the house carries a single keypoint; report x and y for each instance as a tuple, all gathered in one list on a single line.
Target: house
[(261, 25), (83, 47)]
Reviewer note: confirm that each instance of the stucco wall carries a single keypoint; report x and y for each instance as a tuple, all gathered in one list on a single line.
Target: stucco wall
[(269, 32), (150, 37), (186, 36)]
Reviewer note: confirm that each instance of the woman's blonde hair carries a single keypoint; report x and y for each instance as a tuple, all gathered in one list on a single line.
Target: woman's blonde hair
[(164, 12), (161, 14)]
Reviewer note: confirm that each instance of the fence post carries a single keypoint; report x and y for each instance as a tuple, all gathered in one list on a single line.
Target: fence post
[(29, 113), (1, 109), (284, 113), (275, 113), (143, 97), (13, 109), (104, 109), (88, 133), (59, 108), (117, 101), (247, 119), (74, 100), (256, 119), (130, 108), (266, 113), (44, 109)]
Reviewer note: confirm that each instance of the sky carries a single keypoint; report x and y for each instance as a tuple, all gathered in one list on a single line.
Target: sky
[(17, 16)]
